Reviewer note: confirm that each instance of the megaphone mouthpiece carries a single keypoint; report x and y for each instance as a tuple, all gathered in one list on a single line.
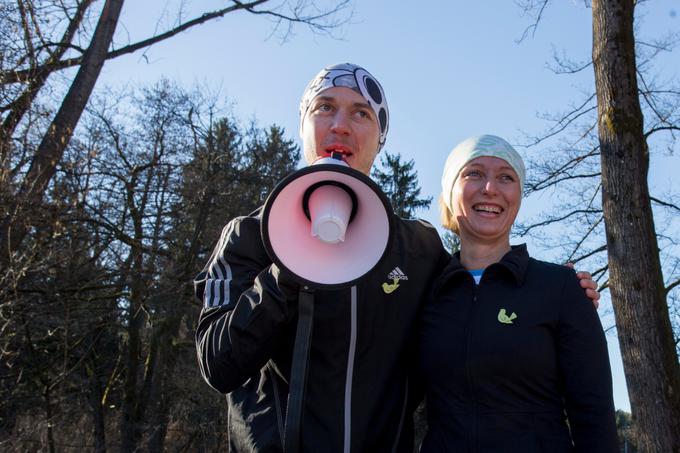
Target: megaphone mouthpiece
[(330, 208), (316, 186)]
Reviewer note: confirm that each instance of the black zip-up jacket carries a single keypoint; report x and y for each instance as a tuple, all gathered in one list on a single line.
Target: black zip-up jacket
[(357, 387), (505, 363)]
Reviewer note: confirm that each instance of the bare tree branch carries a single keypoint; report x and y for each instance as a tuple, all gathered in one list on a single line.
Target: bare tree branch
[(661, 128), (528, 7), (566, 66), (314, 21), (567, 119), (20, 106), (51, 148), (670, 287), (551, 180), (647, 96), (602, 271), (558, 219), (664, 203), (602, 248), (578, 245)]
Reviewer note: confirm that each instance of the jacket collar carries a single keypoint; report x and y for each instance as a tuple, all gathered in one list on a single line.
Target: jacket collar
[(513, 263)]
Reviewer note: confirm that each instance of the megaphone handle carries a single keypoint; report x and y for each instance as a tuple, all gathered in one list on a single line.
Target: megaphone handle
[(298, 372)]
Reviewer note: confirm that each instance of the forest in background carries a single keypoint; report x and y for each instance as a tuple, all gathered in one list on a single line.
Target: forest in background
[(112, 202)]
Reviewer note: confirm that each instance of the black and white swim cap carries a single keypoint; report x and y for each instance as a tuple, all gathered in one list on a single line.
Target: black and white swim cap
[(356, 78)]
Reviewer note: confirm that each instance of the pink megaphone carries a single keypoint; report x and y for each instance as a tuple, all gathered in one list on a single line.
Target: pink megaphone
[(327, 224)]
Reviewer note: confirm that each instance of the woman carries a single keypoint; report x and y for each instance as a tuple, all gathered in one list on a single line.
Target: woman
[(512, 352)]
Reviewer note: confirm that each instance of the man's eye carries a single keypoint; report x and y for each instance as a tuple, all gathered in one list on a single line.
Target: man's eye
[(363, 114), (324, 107)]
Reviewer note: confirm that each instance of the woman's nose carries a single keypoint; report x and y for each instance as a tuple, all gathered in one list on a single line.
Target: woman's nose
[(490, 186)]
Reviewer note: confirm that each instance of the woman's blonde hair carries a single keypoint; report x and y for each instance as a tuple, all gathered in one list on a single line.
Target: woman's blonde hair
[(446, 216)]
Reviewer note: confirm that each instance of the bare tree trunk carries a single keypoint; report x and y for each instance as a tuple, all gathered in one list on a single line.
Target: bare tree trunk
[(97, 411), (130, 429), (135, 400), (50, 418), (158, 408), (14, 226), (636, 281)]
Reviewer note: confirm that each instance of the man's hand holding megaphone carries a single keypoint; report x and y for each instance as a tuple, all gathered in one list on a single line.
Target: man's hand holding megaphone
[(285, 283)]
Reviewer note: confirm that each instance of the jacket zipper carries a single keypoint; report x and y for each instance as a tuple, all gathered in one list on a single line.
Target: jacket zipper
[(468, 372), (350, 370)]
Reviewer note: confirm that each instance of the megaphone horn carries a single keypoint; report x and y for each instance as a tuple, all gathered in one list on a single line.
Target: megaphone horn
[(327, 224)]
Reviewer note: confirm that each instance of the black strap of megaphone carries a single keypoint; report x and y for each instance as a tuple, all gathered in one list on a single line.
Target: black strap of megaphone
[(298, 372)]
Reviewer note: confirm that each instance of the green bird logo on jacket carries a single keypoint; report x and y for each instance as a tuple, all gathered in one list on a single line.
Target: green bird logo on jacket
[(504, 318), (389, 288)]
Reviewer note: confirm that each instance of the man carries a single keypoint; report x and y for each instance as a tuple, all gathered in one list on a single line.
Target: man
[(357, 389)]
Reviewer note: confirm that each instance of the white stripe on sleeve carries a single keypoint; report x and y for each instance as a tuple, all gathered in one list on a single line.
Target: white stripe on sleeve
[(219, 274)]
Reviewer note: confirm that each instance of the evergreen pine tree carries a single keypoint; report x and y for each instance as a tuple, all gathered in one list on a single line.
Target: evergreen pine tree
[(399, 181)]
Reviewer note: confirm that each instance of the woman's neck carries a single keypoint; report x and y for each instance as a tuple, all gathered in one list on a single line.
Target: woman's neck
[(480, 255)]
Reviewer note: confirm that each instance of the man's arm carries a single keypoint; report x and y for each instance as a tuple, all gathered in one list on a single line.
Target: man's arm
[(245, 308), (588, 284)]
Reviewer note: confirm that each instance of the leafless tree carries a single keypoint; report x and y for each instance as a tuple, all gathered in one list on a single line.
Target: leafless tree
[(598, 164), (97, 340), (39, 55), (67, 241)]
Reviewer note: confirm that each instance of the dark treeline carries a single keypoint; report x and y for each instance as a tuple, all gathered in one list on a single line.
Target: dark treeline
[(97, 312)]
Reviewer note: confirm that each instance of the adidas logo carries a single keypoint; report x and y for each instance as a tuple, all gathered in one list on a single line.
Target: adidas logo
[(397, 274)]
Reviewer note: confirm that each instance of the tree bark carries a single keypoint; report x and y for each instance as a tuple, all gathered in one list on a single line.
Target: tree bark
[(50, 151), (134, 405), (97, 411), (636, 281), (130, 422), (34, 83), (49, 416)]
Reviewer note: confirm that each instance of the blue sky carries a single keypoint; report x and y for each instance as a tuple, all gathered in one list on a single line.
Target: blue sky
[(450, 70)]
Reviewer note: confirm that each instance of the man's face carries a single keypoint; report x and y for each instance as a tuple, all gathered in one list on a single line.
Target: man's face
[(339, 119)]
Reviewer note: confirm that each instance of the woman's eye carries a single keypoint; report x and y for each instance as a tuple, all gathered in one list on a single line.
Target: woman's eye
[(472, 174), (507, 178)]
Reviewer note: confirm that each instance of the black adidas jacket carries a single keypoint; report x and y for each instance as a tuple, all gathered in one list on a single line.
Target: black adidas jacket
[(357, 387), (506, 363)]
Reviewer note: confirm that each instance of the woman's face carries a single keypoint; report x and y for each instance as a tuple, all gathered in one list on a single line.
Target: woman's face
[(486, 198)]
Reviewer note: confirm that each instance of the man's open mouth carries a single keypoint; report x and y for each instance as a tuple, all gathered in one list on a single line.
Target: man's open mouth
[(342, 151)]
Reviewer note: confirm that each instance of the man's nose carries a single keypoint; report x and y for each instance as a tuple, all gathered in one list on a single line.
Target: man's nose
[(341, 124)]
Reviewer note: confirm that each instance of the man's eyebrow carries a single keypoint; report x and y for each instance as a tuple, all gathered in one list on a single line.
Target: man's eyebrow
[(332, 99)]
